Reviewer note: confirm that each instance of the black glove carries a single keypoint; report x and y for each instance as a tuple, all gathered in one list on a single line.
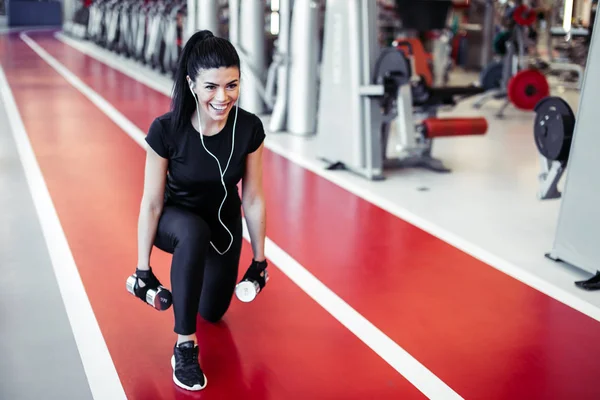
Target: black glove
[(150, 282), (257, 272)]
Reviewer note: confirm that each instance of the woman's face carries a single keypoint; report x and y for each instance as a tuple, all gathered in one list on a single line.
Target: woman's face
[(217, 90)]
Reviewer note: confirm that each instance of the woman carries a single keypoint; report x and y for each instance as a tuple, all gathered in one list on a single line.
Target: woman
[(197, 153)]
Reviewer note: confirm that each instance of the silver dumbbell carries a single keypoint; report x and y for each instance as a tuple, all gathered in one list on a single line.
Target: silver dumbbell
[(159, 298)]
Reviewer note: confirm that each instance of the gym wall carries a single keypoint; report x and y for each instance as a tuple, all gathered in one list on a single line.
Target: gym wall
[(34, 13)]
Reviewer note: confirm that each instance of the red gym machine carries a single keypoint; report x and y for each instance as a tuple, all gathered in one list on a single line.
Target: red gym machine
[(365, 93)]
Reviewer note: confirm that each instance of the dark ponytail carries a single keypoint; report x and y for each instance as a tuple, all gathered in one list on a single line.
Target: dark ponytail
[(202, 51)]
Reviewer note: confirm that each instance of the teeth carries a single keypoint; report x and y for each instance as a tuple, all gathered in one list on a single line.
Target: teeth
[(219, 108)]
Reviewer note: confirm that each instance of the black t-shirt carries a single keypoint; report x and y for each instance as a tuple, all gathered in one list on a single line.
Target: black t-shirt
[(193, 179)]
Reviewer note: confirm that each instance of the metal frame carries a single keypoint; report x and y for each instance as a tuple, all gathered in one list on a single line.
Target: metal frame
[(578, 227)]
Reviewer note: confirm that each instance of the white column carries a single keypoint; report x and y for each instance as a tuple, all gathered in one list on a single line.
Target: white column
[(304, 47), (234, 21), (207, 16), (192, 23), (252, 46), (279, 114)]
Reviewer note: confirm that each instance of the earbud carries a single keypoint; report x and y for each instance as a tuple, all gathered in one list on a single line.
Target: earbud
[(192, 85)]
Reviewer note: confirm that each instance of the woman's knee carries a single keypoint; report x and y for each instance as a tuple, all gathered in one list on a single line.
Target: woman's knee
[(213, 314), (214, 303)]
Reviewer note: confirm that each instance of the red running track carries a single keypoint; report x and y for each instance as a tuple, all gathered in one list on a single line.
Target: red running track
[(282, 346), (482, 332)]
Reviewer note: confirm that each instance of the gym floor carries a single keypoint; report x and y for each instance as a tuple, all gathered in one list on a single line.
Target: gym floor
[(423, 285)]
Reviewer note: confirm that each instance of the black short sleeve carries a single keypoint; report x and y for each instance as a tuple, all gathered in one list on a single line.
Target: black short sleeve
[(157, 140), (258, 136)]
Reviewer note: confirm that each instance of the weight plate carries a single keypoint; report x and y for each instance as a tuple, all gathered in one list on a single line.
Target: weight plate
[(524, 15), (527, 88), (553, 128), (392, 63), (491, 76)]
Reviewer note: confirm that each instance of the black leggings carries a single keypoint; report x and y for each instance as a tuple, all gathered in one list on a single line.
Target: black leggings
[(202, 280)]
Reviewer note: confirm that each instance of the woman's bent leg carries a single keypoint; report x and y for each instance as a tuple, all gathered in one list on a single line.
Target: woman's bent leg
[(187, 237)]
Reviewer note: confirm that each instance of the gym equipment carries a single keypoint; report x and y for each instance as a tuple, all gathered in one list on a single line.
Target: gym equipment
[(500, 42), (479, 28), (492, 75), (413, 108), (162, 51), (524, 15), (553, 132), (254, 280), (527, 88), (159, 298), (572, 49), (149, 32), (433, 68), (508, 78), (363, 95), (76, 19), (578, 223)]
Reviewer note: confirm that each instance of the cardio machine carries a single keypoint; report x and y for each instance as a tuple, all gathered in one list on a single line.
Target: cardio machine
[(365, 89)]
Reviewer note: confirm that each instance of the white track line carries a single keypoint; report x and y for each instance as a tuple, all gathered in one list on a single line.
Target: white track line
[(130, 68), (14, 29), (102, 376), (423, 379)]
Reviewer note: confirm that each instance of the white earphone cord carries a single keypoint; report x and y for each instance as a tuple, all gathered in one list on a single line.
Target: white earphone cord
[(222, 172)]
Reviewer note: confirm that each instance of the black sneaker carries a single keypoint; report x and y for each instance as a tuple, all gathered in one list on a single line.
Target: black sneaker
[(187, 373)]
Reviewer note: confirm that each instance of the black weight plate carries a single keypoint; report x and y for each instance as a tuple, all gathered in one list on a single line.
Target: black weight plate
[(553, 128), (392, 63), (491, 76)]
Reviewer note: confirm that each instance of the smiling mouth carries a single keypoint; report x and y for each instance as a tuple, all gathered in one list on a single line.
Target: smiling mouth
[(219, 107)]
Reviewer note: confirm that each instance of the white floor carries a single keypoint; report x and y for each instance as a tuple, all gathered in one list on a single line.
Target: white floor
[(487, 206)]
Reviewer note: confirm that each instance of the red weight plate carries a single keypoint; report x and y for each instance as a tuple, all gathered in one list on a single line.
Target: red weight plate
[(524, 16), (527, 88)]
